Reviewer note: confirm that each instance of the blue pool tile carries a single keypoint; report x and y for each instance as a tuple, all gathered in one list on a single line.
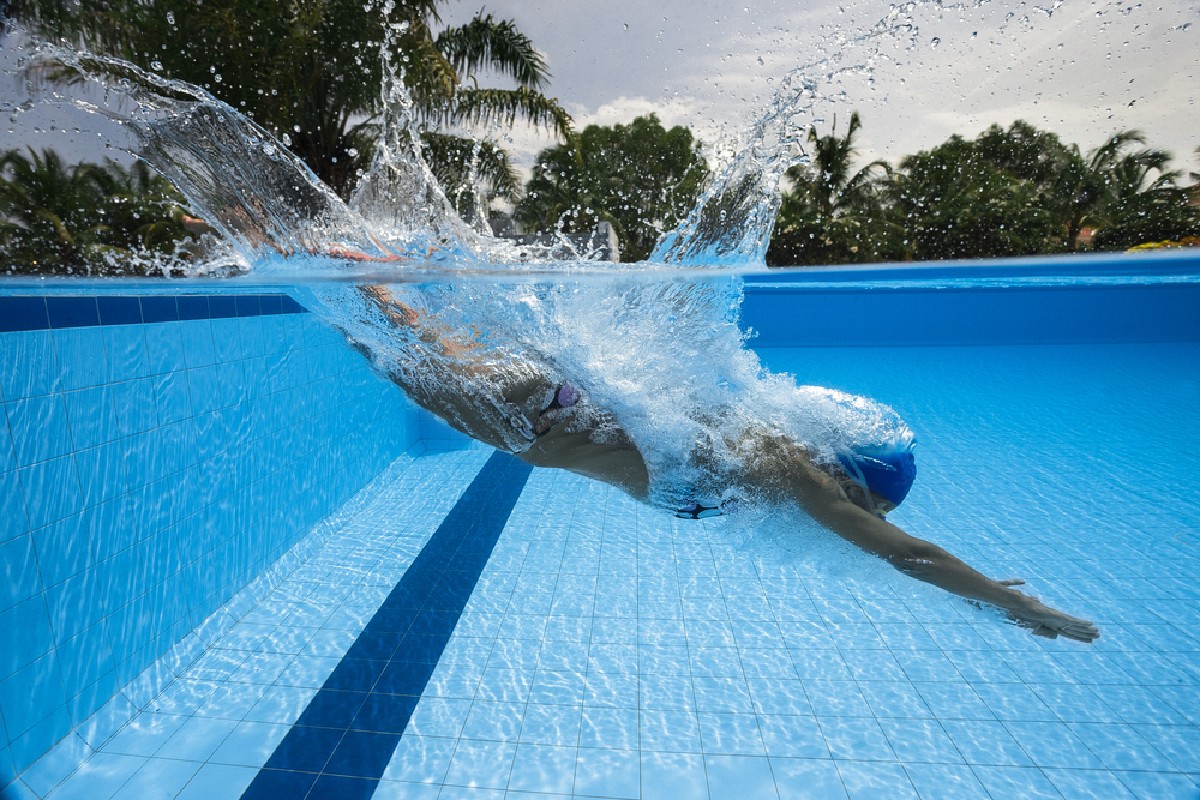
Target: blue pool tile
[(222, 306), (8, 461), (19, 577), (192, 307), (225, 337), (13, 520), (856, 738), (164, 348), (419, 759), (159, 309), (219, 782), (986, 743), (133, 405), (158, 777), (119, 310), (362, 755), (210, 388), (31, 695), (39, 427), (102, 775), (64, 549), (197, 343), (1023, 782), (920, 741), (273, 303), (125, 347), (945, 782), (101, 472), (249, 305), (611, 773), (740, 776), (250, 744), (72, 312), (51, 490), (1158, 785), (792, 736), (23, 314), (174, 402), (1078, 783), (332, 709), (384, 713), (306, 749), (875, 781), (83, 658), (81, 358), (812, 779), (28, 635), (51, 769), (275, 784), (30, 367), (487, 765), (667, 775), (91, 416)]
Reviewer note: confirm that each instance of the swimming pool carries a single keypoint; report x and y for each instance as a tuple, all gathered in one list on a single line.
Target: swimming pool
[(215, 516)]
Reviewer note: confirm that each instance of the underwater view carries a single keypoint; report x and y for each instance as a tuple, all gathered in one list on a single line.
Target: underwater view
[(355, 470)]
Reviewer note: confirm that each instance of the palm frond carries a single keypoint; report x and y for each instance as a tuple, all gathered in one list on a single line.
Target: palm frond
[(505, 106), (486, 42), (453, 159)]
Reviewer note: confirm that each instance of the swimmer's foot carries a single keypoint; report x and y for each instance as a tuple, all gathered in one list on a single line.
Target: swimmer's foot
[(697, 511), (1041, 620)]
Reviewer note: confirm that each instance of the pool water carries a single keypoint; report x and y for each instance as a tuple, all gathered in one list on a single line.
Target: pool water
[(606, 649)]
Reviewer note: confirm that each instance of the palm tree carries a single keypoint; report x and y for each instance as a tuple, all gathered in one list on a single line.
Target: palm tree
[(49, 209), (1097, 186), (59, 218), (310, 71), (829, 216)]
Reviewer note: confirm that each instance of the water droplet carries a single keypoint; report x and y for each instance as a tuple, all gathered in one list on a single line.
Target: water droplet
[(170, 18), (934, 42), (156, 65)]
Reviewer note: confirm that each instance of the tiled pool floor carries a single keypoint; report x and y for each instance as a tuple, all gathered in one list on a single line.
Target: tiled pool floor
[(609, 650)]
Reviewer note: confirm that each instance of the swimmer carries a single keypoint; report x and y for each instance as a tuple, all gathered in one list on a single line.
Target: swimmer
[(551, 423)]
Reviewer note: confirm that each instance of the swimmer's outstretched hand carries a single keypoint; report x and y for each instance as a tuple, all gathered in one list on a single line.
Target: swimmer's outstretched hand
[(1042, 620)]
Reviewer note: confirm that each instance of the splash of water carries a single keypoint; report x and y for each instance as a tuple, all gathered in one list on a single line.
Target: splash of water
[(265, 204), (662, 363), (732, 222)]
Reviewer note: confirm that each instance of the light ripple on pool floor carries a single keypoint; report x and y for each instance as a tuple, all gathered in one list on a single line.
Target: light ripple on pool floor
[(611, 650)]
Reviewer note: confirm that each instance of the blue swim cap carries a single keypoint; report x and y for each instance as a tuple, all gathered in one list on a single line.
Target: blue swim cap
[(888, 473)]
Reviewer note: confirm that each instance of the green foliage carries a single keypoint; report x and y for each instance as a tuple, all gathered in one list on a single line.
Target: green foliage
[(1159, 214), (1008, 192), (831, 215), (310, 71), (640, 177), (56, 218), (974, 200)]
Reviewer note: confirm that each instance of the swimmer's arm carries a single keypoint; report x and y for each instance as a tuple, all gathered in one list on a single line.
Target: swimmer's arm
[(426, 328), (821, 496)]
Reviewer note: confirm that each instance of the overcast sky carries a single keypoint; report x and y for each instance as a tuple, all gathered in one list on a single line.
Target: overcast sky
[(1084, 71)]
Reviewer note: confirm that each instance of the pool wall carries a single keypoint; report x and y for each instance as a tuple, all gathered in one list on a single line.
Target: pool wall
[(158, 455), (1127, 300)]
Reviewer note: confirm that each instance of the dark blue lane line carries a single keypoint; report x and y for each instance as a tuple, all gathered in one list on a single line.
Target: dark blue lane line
[(45, 312), (343, 741)]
